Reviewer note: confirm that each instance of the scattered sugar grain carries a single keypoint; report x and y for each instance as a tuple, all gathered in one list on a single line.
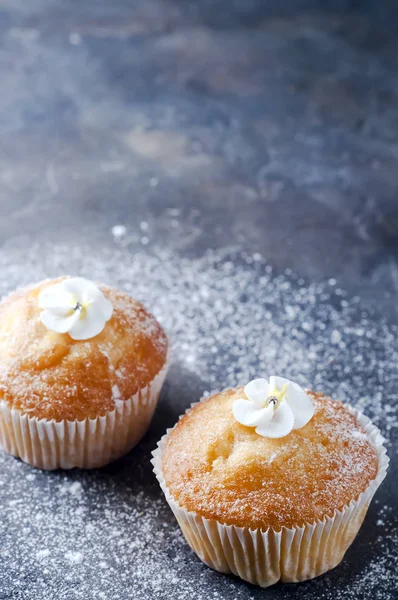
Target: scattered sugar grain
[(74, 557), (74, 489), (119, 231)]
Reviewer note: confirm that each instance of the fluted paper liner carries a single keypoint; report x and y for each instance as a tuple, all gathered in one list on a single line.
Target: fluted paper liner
[(290, 554), (88, 444)]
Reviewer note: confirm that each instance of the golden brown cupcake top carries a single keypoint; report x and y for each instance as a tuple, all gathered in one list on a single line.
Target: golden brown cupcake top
[(50, 375), (225, 471)]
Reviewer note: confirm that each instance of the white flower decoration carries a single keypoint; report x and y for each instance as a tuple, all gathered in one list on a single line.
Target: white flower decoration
[(274, 408), (75, 306)]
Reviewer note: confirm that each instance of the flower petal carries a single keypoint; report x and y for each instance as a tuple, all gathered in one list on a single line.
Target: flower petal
[(263, 415), (249, 415), (78, 286), (279, 382), (59, 324), (244, 411), (56, 299), (105, 306), (301, 405), (257, 391), (281, 424), (89, 325)]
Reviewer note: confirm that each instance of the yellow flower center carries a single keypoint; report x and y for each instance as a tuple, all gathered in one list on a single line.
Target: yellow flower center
[(81, 307), (276, 397)]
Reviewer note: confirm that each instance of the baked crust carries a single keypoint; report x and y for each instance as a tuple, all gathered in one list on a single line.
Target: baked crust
[(51, 376), (222, 470)]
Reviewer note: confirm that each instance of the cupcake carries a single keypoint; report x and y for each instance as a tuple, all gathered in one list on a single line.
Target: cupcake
[(270, 483), (81, 369)]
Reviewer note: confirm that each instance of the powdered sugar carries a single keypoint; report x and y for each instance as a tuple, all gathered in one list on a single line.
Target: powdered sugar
[(230, 319), (74, 557), (74, 488)]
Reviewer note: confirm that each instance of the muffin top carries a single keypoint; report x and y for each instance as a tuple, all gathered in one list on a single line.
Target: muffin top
[(53, 376), (223, 470)]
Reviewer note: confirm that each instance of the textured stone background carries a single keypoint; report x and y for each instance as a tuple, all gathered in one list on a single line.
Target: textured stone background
[(273, 129), (247, 125)]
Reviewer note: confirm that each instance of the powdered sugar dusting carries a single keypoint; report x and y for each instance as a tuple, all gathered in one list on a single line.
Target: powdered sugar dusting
[(230, 319)]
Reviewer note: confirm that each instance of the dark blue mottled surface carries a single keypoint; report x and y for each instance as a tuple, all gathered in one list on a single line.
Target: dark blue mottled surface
[(273, 129)]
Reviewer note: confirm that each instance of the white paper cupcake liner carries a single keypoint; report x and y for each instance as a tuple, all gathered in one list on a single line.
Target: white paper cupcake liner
[(289, 555), (88, 444)]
